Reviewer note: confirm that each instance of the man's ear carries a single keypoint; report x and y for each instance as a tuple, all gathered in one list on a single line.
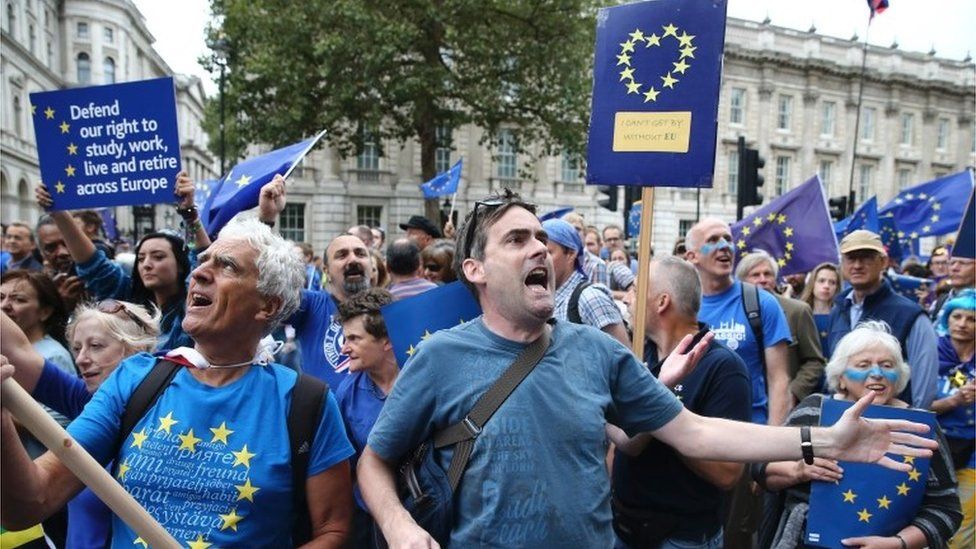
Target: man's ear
[(474, 270), (663, 303), (269, 308)]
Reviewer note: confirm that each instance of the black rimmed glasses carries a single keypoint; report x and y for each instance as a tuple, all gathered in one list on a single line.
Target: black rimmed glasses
[(488, 205), (111, 307)]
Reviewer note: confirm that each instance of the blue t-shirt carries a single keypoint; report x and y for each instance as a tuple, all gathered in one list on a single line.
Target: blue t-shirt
[(320, 337), (211, 464), (360, 402), (537, 475), (725, 315), (959, 422)]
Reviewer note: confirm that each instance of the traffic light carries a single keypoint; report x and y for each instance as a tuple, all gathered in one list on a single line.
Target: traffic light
[(610, 201), (838, 207), (750, 177)]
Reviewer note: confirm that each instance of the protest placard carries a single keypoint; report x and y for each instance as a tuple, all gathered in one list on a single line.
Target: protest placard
[(109, 145)]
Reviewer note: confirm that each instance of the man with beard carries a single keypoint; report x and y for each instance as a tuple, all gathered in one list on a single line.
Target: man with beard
[(348, 266), (537, 474), (58, 263)]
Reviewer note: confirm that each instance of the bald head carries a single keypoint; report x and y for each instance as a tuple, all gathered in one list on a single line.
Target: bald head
[(697, 233)]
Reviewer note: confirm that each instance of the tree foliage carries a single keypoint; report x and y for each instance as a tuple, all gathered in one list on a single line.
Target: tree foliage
[(403, 68)]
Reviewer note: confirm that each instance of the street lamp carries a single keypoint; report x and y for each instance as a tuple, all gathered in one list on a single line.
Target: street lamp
[(219, 47)]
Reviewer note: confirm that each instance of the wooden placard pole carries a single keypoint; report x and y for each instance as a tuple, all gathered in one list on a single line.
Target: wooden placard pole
[(80, 462), (643, 261)]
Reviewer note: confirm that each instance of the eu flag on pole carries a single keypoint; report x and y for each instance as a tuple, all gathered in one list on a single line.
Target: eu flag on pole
[(443, 183), (965, 245), (239, 190), (795, 229), (656, 77), (870, 500), (866, 217), (410, 321), (634, 218), (932, 208)]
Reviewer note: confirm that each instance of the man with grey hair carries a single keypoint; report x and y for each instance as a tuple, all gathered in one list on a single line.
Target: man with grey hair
[(653, 485), (214, 443), (806, 359), (18, 240), (362, 232)]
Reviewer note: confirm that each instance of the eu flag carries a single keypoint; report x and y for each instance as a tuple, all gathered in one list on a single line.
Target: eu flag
[(634, 218), (866, 217), (240, 188), (443, 183), (870, 500), (410, 321), (932, 208), (795, 229), (656, 78), (109, 224), (202, 190), (907, 285), (894, 240), (558, 213), (965, 245)]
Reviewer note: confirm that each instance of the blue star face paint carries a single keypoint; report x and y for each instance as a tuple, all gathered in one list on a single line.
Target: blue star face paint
[(860, 376), (722, 244)]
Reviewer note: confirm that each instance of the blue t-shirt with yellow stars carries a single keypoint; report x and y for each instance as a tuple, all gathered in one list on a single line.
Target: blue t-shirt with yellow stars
[(211, 464)]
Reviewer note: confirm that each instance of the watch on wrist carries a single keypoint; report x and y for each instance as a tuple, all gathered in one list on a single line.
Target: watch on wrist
[(806, 445)]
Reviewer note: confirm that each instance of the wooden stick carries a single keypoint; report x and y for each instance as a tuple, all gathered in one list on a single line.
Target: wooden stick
[(643, 261), (80, 462)]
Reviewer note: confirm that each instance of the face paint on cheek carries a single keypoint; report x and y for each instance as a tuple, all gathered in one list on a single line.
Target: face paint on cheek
[(859, 376), (711, 247)]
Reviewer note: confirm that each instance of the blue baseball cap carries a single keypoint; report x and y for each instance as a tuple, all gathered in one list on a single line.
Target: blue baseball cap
[(565, 235)]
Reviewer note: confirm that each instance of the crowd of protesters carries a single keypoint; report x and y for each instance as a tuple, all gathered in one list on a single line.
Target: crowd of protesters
[(567, 462)]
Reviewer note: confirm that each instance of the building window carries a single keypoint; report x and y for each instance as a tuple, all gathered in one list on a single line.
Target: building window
[(907, 128), (292, 222), (733, 173), (737, 106), (31, 38), (369, 215), (18, 114), (827, 120), (826, 173), (109, 71), (442, 154), (84, 68), (11, 20), (785, 115), (507, 156), (572, 166), (685, 225), (369, 156), (865, 175), (904, 178), (867, 123), (108, 35), (82, 30), (50, 54), (782, 174), (942, 137)]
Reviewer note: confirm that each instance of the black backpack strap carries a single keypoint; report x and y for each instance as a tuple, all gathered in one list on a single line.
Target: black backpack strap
[(304, 416), (572, 310), (750, 302), (145, 395), (462, 434)]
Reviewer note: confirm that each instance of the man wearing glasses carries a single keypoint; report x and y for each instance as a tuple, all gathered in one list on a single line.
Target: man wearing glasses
[(537, 474)]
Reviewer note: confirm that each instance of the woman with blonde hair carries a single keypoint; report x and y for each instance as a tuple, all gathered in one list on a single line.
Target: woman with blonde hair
[(821, 288)]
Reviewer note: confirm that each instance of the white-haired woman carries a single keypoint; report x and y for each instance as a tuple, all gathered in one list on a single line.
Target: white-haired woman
[(866, 359), (100, 336)]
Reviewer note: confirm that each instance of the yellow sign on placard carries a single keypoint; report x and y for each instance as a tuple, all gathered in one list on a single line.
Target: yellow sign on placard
[(652, 131)]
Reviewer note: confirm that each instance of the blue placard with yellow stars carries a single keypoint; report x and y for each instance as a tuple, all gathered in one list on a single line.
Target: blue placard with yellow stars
[(411, 321), (112, 145), (870, 500), (656, 76)]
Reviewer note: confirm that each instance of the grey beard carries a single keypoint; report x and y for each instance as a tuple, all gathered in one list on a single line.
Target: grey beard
[(353, 288)]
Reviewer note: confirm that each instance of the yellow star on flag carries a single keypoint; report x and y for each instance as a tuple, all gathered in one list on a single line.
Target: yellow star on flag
[(913, 475), (59, 187), (230, 520), (771, 216), (138, 438), (902, 489), (757, 221), (849, 496), (909, 459), (781, 262), (243, 457), (864, 516), (33, 110), (651, 95), (914, 235), (199, 543), (140, 541), (883, 502), (746, 230), (740, 244), (123, 469), (221, 433), (688, 51), (685, 38), (189, 442), (788, 255), (958, 379), (670, 30), (64, 127), (627, 73), (789, 246), (781, 218), (926, 228), (681, 66), (49, 113), (166, 422), (935, 218), (246, 491), (669, 81), (652, 40), (72, 148), (70, 170), (411, 350), (788, 231), (426, 335), (244, 180), (623, 59), (633, 87), (936, 206), (627, 46), (636, 36)]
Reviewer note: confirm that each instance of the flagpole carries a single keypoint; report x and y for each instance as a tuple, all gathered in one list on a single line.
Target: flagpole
[(450, 214), (643, 261), (857, 120)]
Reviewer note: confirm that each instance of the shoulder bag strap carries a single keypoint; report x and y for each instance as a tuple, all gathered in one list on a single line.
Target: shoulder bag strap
[(572, 310), (304, 416), (463, 434)]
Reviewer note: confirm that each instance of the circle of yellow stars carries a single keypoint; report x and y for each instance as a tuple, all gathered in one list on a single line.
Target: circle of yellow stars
[(883, 502), (778, 221), (934, 208), (686, 50), (188, 442), (69, 170)]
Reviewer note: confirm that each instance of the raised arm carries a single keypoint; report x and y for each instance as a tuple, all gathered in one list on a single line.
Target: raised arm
[(79, 245), (189, 212), (272, 200)]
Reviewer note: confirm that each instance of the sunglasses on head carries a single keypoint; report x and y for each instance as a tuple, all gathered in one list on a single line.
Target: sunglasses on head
[(111, 307), (488, 205)]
